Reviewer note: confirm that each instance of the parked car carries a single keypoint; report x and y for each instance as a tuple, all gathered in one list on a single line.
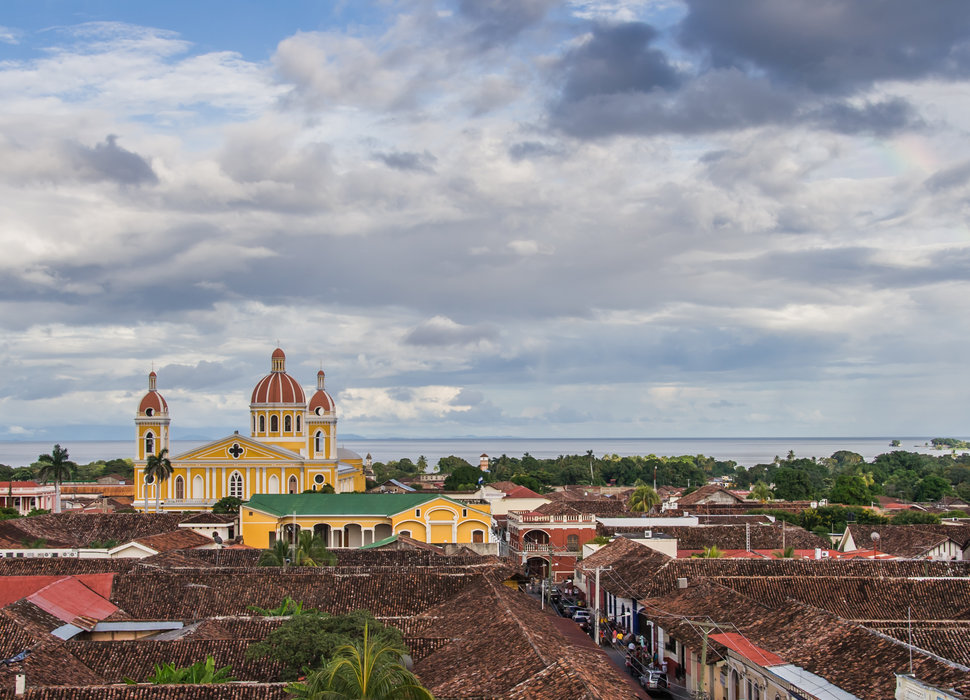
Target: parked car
[(570, 610), (653, 679), (581, 614)]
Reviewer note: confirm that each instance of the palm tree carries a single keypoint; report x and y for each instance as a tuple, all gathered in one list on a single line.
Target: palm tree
[(56, 467), (277, 555), (366, 669), (643, 499), (311, 550), (159, 468), (787, 553), (761, 492), (712, 552)]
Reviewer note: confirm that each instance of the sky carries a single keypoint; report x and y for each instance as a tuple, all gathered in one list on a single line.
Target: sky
[(588, 218)]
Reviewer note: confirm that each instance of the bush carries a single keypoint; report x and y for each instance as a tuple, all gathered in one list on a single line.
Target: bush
[(229, 504)]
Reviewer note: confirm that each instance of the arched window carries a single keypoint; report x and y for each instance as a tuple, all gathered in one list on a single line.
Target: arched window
[(149, 443), (274, 423), (262, 424), (299, 423), (291, 486), (318, 442), (287, 424), (572, 543), (179, 488), (254, 424), (236, 485), (274, 484)]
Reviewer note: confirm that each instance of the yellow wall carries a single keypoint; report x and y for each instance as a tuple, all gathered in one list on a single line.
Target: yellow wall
[(256, 525)]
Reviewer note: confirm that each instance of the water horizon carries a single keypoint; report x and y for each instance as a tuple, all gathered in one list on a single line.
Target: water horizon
[(746, 451)]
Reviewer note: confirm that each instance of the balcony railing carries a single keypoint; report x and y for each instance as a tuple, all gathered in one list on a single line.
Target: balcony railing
[(524, 517)]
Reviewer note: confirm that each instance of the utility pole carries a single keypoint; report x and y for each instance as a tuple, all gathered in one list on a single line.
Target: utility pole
[(702, 681), (596, 608)]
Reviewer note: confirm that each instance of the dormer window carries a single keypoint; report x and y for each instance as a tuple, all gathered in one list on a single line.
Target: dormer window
[(149, 411)]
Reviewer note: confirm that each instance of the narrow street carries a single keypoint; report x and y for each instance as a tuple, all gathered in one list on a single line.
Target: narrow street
[(577, 636)]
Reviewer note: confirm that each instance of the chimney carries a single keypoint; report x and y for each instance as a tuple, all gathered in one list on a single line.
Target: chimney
[(682, 583), (20, 684)]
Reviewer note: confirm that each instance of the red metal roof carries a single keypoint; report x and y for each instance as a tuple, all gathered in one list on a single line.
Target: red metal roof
[(738, 643), (154, 401), (278, 387), (16, 587), (68, 599)]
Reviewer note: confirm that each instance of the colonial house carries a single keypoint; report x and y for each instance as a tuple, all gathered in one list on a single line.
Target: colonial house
[(550, 537), (358, 519), (946, 541)]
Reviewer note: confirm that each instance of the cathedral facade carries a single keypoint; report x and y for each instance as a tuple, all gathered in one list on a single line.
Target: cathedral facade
[(291, 448)]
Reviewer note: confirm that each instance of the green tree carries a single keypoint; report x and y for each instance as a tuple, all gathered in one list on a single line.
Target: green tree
[(792, 484), (850, 489), (228, 504), (277, 555), (199, 673), (462, 477), (309, 641), (712, 552), (311, 550), (287, 608), (57, 467), (643, 499), (787, 553), (761, 492), (448, 465), (914, 517), (158, 469), (932, 488), (367, 668)]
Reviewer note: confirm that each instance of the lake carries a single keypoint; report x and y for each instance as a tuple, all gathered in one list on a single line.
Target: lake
[(746, 451)]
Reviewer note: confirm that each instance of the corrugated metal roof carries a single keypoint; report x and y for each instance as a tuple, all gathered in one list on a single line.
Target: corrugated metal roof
[(810, 683)]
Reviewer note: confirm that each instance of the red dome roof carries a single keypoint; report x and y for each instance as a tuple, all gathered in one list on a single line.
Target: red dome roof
[(278, 387), (321, 400), (154, 401)]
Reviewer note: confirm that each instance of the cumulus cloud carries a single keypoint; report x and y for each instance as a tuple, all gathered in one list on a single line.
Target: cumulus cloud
[(606, 216)]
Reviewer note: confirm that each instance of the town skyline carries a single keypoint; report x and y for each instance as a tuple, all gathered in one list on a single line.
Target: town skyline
[(615, 218)]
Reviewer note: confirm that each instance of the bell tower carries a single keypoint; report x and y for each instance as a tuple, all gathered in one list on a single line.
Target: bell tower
[(151, 423)]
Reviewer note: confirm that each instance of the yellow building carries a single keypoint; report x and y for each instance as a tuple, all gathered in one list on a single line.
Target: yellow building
[(291, 448), (355, 520)]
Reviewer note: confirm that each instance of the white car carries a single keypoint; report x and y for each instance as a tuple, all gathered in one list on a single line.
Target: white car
[(581, 615)]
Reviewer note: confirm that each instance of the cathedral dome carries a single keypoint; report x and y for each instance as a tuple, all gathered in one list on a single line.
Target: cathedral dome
[(277, 386), (152, 403), (321, 401)]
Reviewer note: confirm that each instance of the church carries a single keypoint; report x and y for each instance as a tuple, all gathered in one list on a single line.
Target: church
[(291, 448)]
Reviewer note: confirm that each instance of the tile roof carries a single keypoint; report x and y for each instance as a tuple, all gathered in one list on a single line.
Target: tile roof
[(704, 493), (17, 587), (909, 540), (522, 492), (76, 529), (176, 539), (206, 518), (218, 691), (731, 536)]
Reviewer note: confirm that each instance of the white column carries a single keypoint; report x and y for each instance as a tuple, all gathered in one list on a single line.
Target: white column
[(246, 492)]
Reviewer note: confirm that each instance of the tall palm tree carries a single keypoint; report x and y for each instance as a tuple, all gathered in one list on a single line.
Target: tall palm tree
[(311, 550), (56, 467), (761, 492), (159, 468), (643, 499), (367, 669)]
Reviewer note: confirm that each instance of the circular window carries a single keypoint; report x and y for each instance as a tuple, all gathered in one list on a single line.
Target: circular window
[(318, 410), (149, 411), (149, 479), (318, 479)]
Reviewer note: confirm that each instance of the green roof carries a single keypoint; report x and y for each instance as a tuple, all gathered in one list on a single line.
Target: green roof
[(386, 504), (380, 543)]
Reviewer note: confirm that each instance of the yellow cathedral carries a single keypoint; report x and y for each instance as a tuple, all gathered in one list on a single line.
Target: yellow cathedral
[(291, 448)]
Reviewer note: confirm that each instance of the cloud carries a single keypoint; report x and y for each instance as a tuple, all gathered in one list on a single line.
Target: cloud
[(527, 150), (109, 161), (441, 331), (497, 22), (418, 162), (832, 47)]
